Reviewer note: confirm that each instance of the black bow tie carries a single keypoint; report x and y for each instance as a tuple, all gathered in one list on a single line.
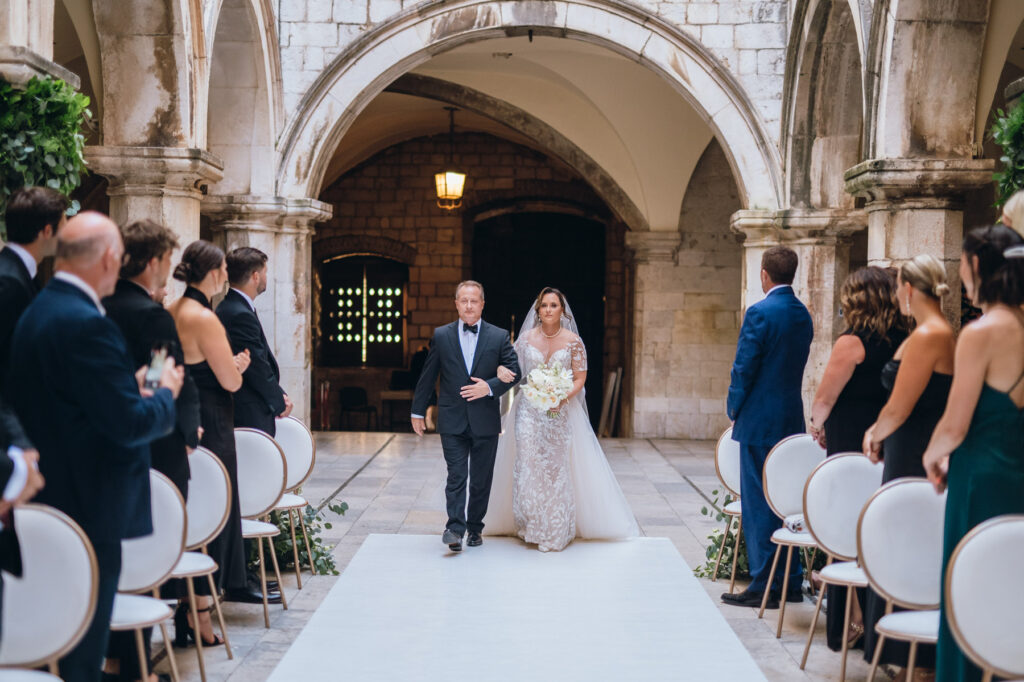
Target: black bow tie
[(470, 327)]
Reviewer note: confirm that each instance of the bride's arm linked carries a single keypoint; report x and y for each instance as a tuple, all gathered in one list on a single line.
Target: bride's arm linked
[(578, 355)]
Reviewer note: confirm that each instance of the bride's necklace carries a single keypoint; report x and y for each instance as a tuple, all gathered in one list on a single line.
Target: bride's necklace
[(551, 336)]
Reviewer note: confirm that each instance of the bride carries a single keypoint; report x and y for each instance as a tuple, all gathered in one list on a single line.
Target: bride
[(552, 482)]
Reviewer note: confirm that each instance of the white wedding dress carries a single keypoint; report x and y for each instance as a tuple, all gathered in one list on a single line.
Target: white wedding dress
[(552, 482)]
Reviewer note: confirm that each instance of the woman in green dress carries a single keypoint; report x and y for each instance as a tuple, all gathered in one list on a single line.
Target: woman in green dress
[(977, 448)]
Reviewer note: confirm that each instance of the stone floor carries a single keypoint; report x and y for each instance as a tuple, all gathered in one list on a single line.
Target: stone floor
[(393, 483)]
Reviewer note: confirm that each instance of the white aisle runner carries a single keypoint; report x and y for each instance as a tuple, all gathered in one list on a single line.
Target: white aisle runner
[(405, 609)]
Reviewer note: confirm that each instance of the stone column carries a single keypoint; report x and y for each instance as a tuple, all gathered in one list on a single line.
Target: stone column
[(283, 229), (915, 206), (26, 42)]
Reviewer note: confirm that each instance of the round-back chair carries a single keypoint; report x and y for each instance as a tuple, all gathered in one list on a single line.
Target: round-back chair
[(262, 475), (786, 469), (49, 608), (834, 496), (986, 618), (899, 544), (727, 466), (299, 448)]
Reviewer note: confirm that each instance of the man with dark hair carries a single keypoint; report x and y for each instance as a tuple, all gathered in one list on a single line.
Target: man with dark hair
[(766, 406)]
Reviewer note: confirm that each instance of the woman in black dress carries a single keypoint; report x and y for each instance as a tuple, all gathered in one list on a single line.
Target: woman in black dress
[(850, 395), (918, 378), (217, 374)]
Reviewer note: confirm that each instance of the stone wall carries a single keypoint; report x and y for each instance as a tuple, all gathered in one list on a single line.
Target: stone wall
[(688, 314)]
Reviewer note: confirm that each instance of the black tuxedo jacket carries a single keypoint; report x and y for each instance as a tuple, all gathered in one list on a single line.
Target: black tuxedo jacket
[(455, 413), (261, 398), (72, 384), (16, 291), (10, 552), (144, 322)]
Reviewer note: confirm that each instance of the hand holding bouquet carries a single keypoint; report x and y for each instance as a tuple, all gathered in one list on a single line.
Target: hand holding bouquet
[(547, 386)]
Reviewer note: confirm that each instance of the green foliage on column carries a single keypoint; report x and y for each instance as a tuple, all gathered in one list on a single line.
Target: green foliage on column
[(1008, 133), (41, 138)]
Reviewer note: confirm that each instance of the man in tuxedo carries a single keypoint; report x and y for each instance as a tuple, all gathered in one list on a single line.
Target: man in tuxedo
[(765, 406), (261, 399), (76, 392), (469, 419)]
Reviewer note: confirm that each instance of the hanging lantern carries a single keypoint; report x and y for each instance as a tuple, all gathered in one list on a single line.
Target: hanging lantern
[(450, 183)]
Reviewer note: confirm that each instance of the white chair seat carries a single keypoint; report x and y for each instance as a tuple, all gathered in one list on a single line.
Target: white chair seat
[(784, 536), (26, 676), (193, 564), (133, 611), (845, 573), (251, 528), (920, 626), (734, 508), (291, 501)]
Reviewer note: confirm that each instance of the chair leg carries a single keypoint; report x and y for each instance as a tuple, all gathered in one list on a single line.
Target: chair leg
[(721, 548), (195, 626), (220, 617), (263, 583), (736, 555), (171, 660), (771, 579), (305, 537), (814, 624), (295, 549), (277, 573), (874, 659), (785, 591), (912, 661), (141, 647), (846, 629), (987, 676)]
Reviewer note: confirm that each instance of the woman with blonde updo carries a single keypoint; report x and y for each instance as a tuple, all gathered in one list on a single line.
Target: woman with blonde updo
[(918, 378)]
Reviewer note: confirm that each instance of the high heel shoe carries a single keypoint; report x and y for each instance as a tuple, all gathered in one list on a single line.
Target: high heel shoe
[(183, 632)]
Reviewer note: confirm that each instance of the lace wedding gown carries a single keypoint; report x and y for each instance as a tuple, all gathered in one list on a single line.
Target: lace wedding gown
[(552, 482)]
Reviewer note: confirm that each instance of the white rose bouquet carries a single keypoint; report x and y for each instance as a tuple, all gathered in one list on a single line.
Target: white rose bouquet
[(547, 386)]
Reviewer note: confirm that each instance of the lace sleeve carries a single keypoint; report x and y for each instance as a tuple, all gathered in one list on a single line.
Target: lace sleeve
[(578, 354)]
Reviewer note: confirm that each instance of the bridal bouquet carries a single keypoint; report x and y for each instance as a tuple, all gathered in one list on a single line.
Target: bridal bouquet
[(547, 386)]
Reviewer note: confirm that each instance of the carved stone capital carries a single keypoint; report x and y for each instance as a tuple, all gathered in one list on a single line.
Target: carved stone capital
[(917, 183), (256, 213), (653, 247), (19, 65), (155, 171), (805, 226)]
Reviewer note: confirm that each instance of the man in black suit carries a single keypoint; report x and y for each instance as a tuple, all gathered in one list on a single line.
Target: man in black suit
[(261, 399), (469, 418), (76, 392)]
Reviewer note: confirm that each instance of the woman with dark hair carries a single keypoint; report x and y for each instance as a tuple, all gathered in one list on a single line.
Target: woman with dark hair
[(851, 394), (978, 445), (217, 374)]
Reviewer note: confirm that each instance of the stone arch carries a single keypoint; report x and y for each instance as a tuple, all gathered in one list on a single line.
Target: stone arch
[(924, 108), (364, 244), (399, 44), (823, 121)]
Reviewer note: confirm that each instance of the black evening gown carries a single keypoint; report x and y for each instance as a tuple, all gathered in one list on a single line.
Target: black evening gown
[(856, 409), (902, 454), (217, 416)]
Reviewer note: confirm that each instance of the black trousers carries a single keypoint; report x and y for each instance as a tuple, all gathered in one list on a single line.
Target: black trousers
[(470, 460), (84, 662)]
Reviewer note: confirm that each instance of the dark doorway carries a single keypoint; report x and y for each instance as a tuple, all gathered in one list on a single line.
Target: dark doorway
[(517, 254)]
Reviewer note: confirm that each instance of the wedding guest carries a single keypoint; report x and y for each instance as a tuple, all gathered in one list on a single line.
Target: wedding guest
[(75, 389), (918, 379), (851, 395), (766, 406), (146, 325), (1013, 211), (261, 400), (977, 448)]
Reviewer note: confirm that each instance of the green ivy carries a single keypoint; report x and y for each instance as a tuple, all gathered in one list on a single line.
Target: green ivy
[(1008, 133), (41, 138), (315, 524)]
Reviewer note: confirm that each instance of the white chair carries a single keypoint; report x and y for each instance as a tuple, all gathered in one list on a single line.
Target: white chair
[(986, 618), (834, 496), (49, 608), (207, 510), (146, 562), (899, 543), (262, 472), (727, 466), (299, 448), (786, 470)]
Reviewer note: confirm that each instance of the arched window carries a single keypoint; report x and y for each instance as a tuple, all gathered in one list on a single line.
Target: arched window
[(362, 322)]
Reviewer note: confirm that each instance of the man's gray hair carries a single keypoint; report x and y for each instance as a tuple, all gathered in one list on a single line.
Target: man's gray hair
[(470, 283)]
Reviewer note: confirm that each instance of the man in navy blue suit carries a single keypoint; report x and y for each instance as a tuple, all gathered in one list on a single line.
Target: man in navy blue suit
[(75, 389), (765, 406)]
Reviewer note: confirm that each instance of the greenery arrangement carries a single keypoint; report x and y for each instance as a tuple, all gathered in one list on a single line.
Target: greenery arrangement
[(315, 524), (1008, 133), (41, 138)]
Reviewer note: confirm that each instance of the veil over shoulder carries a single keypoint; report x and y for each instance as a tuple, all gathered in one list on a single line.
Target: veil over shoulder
[(602, 511)]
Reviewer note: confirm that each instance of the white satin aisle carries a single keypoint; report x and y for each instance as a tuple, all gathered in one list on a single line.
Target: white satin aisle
[(406, 610)]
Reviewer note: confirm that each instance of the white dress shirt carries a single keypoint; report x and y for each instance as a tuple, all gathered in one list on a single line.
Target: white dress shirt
[(16, 483), (26, 258), (78, 282)]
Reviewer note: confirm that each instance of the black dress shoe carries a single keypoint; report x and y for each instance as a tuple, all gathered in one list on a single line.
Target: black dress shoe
[(474, 539), (253, 580), (248, 596), (791, 598), (453, 540), (749, 599)]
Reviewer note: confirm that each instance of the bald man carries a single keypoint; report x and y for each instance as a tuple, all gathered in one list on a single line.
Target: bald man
[(75, 389)]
